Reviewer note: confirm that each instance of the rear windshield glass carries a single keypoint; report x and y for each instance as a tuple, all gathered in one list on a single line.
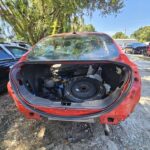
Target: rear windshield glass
[(74, 47)]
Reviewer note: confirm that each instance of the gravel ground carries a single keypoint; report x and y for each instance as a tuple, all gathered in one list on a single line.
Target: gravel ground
[(18, 133)]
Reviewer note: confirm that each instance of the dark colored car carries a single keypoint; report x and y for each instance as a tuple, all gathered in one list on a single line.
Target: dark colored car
[(135, 48), (76, 77), (9, 55)]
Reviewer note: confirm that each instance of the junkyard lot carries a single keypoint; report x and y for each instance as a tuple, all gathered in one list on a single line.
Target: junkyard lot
[(16, 132)]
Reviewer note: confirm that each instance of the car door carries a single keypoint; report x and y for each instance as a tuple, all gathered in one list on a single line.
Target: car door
[(6, 61)]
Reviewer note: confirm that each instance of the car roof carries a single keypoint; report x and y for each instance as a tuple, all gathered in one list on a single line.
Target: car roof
[(12, 45), (78, 33), (137, 43), (5, 43)]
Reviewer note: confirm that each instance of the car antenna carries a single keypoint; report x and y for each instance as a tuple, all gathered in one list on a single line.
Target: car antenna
[(74, 32)]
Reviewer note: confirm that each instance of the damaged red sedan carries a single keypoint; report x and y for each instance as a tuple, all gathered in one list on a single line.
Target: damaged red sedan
[(76, 77)]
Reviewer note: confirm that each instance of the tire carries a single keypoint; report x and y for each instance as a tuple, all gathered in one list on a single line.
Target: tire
[(3, 87), (144, 53)]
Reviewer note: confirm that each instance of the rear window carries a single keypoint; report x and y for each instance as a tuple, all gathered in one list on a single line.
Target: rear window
[(4, 55), (74, 47), (16, 51)]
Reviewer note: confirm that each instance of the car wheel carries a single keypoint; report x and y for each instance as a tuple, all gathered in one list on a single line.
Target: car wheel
[(144, 53), (2, 89)]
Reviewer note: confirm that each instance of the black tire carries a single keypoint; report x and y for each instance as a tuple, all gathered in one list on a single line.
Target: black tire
[(106, 133), (2, 89)]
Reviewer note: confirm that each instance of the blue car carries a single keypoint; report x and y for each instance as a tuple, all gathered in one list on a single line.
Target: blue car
[(135, 48), (9, 55)]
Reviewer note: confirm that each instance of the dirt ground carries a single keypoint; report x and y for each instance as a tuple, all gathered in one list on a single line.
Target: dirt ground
[(18, 133)]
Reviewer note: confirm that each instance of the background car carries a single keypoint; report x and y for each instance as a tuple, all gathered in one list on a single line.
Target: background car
[(135, 48), (9, 55), (76, 77)]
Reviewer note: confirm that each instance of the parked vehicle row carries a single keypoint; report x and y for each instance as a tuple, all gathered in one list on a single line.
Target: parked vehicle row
[(138, 48), (135, 48), (9, 55)]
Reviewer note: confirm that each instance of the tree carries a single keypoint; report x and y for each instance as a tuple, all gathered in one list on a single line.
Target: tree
[(142, 34), (88, 28), (34, 19), (79, 25), (1, 35), (6, 30), (120, 35)]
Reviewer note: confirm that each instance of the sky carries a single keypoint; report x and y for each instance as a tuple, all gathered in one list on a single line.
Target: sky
[(135, 14)]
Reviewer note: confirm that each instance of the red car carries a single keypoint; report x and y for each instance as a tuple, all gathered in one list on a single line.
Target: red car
[(148, 50), (76, 77)]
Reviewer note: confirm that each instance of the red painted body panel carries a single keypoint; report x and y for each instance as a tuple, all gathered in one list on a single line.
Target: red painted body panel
[(148, 50), (120, 113)]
